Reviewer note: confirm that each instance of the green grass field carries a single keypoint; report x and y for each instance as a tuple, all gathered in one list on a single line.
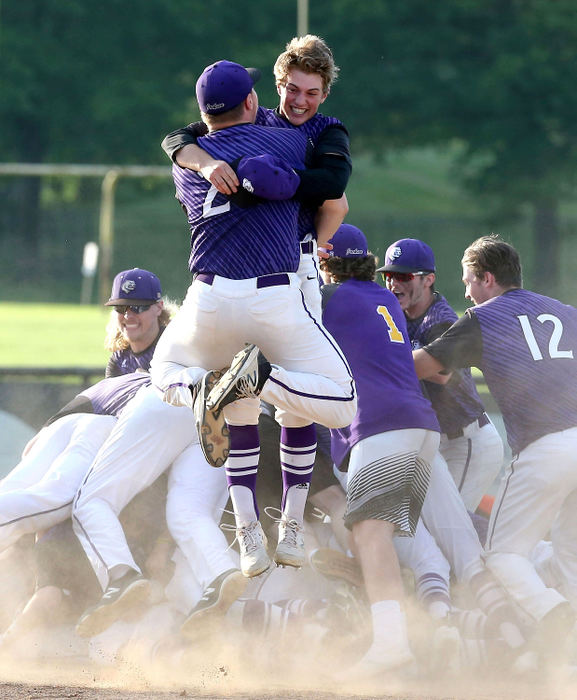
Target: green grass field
[(52, 335)]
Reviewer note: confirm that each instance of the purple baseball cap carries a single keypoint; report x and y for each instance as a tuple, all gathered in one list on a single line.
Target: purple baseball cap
[(267, 177), (408, 255), (348, 242), (224, 85), (135, 286)]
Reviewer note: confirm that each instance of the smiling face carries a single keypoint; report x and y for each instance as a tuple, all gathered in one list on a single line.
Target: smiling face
[(415, 295), (300, 96), (140, 329)]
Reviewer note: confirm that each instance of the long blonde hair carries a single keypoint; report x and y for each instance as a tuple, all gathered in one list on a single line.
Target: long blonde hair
[(116, 340)]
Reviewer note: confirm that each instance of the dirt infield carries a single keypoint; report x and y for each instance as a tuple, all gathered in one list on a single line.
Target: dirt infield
[(85, 682)]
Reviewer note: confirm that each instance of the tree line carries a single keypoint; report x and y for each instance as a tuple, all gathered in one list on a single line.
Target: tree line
[(101, 82)]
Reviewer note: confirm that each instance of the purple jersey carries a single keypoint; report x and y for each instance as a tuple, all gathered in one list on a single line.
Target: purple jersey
[(367, 322), (235, 242), (456, 403), (526, 346), (127, 361), (109, 396), (311, 129)]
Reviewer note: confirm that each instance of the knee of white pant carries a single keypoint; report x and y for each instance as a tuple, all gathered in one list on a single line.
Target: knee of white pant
[(289, 420), (341, 415), (242, 412)]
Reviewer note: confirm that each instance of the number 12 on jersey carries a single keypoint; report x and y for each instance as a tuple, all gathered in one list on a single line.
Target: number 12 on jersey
[(554, 339)]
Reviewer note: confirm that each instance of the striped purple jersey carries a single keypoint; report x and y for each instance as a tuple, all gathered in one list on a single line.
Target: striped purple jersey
[(456, 403), (235, 242), (109, 396), (526, 346), (312, 129), (367, 322), (127, 361)]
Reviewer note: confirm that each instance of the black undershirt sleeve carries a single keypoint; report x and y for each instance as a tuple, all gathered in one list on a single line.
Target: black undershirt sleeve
[(329, 170), (174, 141), (461, 345)]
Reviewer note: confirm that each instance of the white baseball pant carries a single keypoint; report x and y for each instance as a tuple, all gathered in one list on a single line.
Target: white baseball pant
[(40, 493), (308, 272), (310, 376), (474, 460), (147, 438), (49, 443), (537, 495), (448, 521), (197, 495)]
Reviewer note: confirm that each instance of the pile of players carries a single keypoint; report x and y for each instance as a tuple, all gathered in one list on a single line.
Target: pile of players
[(140, 491)]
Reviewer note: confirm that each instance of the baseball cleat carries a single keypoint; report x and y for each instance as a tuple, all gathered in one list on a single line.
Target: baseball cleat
[(336, 565), (290, 550), (213, 432), (217, 598), (252, 542), (244, 379), (121, 596)]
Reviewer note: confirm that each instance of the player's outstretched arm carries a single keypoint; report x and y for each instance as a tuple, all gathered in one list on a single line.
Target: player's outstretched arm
[(426, 365), (180, 146), (329, 217)]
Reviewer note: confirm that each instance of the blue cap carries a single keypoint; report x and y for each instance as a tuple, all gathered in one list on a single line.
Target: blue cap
[(224, 85), (267, 176), (409, 255), (135, 286), (348, 242)]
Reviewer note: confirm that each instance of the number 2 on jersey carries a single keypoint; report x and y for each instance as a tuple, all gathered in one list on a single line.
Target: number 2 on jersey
[(208, 209), (395, 335), (554, 340)]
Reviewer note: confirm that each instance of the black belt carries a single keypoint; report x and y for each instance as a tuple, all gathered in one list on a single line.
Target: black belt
[(261, 282), (481, 421), (307, 248)]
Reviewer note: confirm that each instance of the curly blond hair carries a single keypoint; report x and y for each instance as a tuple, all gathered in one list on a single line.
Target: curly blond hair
[(309, 54)]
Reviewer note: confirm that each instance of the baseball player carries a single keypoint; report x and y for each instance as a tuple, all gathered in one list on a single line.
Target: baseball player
[(238, 298), (39, 491), (304, 74), (138, 318), (389, 445), (470, 443), (524, 343)]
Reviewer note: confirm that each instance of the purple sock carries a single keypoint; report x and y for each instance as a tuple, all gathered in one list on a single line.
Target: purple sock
[(242, 463)]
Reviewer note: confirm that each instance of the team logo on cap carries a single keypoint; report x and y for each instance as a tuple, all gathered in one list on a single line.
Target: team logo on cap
[(396, 252), (128, 286), (247, 185)]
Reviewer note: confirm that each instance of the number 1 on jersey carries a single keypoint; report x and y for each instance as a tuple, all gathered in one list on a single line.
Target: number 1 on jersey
[(395, 335)]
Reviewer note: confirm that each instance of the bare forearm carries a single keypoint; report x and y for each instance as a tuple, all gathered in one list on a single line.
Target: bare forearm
[(329, 217), (426, 365)]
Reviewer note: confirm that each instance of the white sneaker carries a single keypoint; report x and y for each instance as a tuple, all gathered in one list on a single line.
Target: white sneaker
[(290, 550), (252, 542)]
